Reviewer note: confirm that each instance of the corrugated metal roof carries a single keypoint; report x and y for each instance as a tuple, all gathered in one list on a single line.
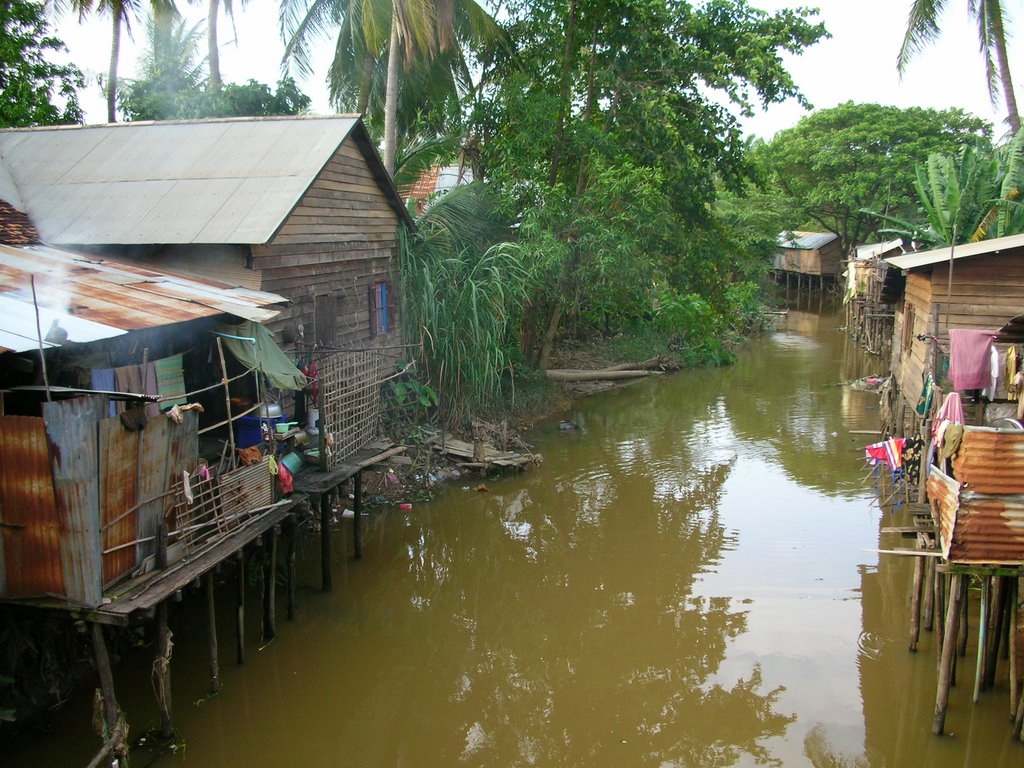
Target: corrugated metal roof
[(220, 181), (92, 298), (805, 241), (982, 247), (874, 250)]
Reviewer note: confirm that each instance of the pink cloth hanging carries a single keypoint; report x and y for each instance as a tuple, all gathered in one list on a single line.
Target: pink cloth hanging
[(969, 358), (952, 411)]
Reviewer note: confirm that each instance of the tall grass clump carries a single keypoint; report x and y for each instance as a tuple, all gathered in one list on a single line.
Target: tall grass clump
[(463, 284)]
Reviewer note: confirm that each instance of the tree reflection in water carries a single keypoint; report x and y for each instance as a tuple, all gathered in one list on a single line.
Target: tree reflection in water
[(573, 634)]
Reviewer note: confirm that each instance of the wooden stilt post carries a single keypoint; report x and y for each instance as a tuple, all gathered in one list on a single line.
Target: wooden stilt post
[(357, 533), (269, 584), (939, 589), (964, 630), (928, 610), (787, 287), (979, 676), (162, 672), (915, 603), (211, 620), (1014, 672), (290, 565), (240, 606), (325, 542), (997, 624), (113, 733), (947, 657)]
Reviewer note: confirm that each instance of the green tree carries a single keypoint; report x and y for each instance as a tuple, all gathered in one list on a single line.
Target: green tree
[(29, 83), (173, 84), (608, 134), (120, 13), (836, 165), (968, 196), (426, 41), (923, 28)]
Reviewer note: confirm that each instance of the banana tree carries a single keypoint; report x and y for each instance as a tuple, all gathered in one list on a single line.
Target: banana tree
[(971, 196)]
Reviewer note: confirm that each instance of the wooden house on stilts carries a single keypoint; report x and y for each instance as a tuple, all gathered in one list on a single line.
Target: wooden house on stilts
[(162, 286), (958, 392), (804, 258)]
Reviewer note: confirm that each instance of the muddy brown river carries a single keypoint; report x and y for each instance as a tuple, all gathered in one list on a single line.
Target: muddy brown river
[(687, 580)]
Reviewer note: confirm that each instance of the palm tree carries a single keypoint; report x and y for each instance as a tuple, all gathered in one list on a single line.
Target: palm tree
[(406, 34), (212, 44), (923, 28), (120, 13)]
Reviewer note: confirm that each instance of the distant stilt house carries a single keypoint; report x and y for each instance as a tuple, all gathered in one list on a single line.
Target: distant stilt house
[(871, 291), (806, 258)]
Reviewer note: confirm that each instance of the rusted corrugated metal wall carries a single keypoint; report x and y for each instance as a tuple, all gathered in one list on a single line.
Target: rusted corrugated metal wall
[(944, 499), (30, 563), (991, 461), (976, 528), (119, 458), (71, 430)]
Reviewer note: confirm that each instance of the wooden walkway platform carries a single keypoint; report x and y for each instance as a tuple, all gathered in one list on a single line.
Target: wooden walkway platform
[(146, 591)]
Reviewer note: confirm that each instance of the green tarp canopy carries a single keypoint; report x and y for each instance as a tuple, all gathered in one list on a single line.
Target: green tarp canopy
[(261, 353)]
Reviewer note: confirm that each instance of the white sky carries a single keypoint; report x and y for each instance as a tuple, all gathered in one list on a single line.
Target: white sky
[(858, 63)]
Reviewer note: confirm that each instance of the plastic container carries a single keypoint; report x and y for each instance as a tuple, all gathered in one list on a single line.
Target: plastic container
[(249, 429)]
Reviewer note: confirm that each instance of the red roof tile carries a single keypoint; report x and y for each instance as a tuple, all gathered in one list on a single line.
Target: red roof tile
[(15, 226)]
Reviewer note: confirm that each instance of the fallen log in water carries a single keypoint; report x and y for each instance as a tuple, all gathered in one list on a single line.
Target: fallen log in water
[(602, 375)]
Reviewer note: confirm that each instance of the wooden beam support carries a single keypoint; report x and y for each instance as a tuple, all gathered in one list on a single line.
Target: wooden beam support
[(915, 603), (325, 542), (979, 669), (162, 673), (357, 534), (240, 606), (112, 735), (292, 532), (269, 586), (947, 657), (211, 627)]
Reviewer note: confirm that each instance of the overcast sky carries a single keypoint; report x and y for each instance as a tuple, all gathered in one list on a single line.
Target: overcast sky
[(858, 63)]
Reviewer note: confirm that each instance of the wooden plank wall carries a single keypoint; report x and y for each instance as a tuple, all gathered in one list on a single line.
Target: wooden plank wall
[(911, 368), (340, 240), (987, 292)]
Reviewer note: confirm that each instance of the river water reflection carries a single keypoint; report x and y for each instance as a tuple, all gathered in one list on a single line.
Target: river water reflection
[(685, 581)]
